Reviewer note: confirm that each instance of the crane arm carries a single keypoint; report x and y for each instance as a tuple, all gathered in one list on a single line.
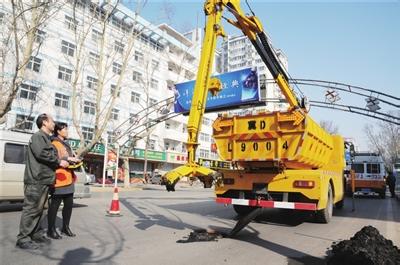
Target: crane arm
[(252, 28)]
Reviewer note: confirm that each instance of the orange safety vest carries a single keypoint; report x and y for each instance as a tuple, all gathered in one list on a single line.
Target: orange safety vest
[(64, 176)]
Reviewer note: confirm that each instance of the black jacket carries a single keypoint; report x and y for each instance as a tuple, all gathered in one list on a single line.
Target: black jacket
[(41, 161)]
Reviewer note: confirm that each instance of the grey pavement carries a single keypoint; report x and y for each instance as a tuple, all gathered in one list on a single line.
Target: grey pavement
[(153, 220)]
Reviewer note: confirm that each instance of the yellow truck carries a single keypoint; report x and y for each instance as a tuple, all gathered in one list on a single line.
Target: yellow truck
[(281, 159)]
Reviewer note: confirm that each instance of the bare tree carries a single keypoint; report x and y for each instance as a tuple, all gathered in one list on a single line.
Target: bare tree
[(20, 40), (98, 77), (385, 140), (329, 126)]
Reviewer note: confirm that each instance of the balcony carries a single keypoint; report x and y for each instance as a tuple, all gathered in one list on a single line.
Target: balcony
[(175, 135)]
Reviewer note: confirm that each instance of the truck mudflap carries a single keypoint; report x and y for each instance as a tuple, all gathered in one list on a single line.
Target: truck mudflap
[(269, 204)]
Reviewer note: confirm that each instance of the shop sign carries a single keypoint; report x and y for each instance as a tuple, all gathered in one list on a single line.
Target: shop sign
[(151, 155), (177, 158), (214, 163), (96, 149)]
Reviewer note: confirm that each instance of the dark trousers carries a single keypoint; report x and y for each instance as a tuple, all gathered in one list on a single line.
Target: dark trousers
[(54, 204), (32, 211), (391, 189)]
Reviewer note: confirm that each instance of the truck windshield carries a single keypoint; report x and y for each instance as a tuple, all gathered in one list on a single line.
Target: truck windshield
[(373, 168), (358, 168)]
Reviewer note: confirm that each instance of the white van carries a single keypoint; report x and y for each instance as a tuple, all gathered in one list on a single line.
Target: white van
[(13, 147)]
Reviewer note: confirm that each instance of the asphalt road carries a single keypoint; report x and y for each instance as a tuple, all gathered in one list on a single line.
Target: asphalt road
[(153, 220)]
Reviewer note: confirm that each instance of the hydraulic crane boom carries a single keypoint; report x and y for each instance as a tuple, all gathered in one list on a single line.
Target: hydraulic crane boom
[(252, 28)]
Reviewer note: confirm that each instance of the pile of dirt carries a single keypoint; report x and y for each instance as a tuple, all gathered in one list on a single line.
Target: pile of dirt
[(366, 247), (201, 235)]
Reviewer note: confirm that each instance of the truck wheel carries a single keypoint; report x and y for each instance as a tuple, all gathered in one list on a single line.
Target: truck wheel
[(243, 210), (325, 215)]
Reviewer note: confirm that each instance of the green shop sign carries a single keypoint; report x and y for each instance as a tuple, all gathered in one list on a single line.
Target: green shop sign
[(96, 149), (151, 155)]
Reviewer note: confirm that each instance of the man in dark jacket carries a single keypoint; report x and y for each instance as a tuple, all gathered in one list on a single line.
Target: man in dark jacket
[(41, 163), (391, 182)]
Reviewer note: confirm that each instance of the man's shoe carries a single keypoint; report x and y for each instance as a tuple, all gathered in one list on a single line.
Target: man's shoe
[(53, 234), (66, 231), (27, 245), (42, 240)]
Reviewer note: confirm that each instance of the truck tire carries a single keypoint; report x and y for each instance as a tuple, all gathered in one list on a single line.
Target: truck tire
[(325, 215), (243, 210)]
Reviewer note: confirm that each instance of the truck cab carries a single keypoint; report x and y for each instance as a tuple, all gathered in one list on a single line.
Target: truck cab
[(369, 174)]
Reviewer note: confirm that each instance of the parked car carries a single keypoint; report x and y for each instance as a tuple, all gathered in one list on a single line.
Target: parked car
[(156, 179), (13, 147), (88, 178)]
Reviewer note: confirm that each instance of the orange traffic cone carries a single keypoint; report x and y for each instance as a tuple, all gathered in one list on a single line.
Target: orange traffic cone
[(114, 209)]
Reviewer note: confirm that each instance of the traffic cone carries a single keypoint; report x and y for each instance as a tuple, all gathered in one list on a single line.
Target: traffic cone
[(114, 209)]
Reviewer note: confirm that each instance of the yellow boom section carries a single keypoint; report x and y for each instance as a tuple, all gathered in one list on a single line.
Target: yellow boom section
[(203, 84)]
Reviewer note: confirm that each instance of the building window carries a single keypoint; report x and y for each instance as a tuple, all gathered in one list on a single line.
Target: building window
[(70, 23), (114, 114), (166, 145), (1, 17), (24, 122), (137, 76), (153, 101), (89, 107), (67, 48), (154, 83), (155, 64), (133, 118), (64, 73), (88, 133), (135, 97), (94, 59), (39, 36), (92, 82), (119, 47), (96, 35), (204, 153), (28, 92), (206, 121), (116, 68), (189, 75), (139, 57), (34, 64), (61, 100), (111, 137), (112, 88), (204, 137), (152, 144)]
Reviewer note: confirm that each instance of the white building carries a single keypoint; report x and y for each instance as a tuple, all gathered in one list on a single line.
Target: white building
[(160, 57), (237, 52)]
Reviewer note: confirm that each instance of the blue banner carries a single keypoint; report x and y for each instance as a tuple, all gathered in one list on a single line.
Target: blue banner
[(238, 88)]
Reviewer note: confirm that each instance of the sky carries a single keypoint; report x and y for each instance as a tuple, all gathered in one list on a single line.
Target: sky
[(352, 42)]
